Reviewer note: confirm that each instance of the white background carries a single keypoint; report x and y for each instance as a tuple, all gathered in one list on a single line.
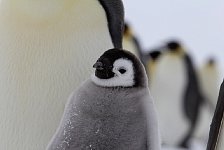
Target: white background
[(199, 24)]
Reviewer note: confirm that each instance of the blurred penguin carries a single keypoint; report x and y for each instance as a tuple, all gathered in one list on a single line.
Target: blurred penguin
[(193, 99), (131, 42), (216, 135), (209, 80), (151, 63), (46, 47), (177, 95)]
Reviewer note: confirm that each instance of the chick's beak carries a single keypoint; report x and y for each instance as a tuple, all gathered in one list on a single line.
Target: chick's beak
[(98, 65)]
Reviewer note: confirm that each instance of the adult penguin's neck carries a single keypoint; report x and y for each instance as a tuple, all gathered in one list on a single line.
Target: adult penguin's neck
[(35, 10)]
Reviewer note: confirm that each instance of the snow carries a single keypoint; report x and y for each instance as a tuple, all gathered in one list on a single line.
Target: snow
[(196, 145)]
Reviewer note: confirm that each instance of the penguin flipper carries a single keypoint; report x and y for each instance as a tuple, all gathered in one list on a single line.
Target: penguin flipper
[(115, 17), (217, 122), (193, 99)]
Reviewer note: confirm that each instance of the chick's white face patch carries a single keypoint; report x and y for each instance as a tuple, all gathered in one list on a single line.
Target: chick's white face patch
[(124, 75)]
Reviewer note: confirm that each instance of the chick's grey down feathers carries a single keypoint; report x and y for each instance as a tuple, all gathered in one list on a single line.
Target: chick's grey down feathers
[(103, 119)]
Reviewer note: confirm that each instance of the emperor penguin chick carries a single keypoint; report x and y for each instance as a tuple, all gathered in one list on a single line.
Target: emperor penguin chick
[(111, 111)]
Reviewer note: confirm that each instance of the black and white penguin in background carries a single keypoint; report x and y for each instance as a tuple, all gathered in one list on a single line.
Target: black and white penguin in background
[(111, 111), (131, 42), (209, 77), (209, 81), (152, 60), (46, 47), (177, 95), (216, 135)]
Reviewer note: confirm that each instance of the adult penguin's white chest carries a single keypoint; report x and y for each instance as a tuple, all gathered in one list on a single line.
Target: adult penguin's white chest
[(209, 81), (167, 88), (44, 55)]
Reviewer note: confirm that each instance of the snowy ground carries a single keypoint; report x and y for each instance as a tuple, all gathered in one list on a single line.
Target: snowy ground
[(196, 145)]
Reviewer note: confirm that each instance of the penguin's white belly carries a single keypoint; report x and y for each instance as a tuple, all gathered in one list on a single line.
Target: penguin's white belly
[(210, 88), (209, 78), (167, 89), (129, 45), (204, 122), (40, 65)]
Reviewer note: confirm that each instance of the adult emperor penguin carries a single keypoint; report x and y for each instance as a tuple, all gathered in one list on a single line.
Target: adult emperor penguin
[(131, 43), (209, 81), (216, 135), (46, 47), (177, 96), (209, 76), (151, 63), (111, 111)]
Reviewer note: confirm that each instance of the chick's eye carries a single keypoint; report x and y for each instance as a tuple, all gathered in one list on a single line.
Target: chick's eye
[(122, 71)]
